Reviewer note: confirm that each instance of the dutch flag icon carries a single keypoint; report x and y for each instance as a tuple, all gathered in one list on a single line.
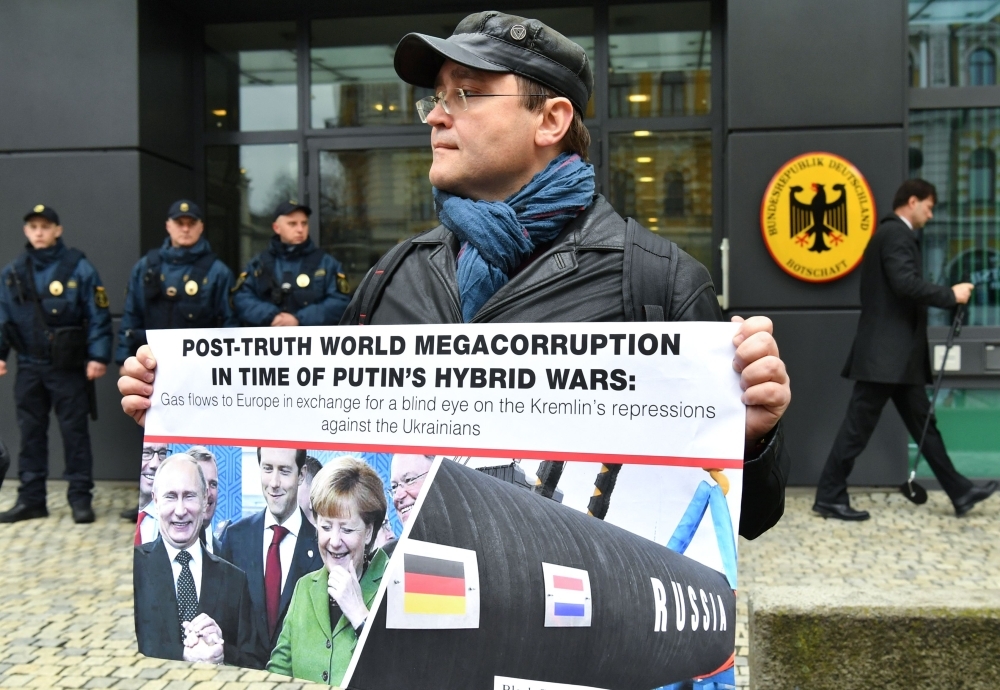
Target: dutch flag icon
[(568, 602)]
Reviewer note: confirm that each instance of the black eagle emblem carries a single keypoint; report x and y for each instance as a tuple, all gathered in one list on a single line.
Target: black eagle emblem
[(819, 218)]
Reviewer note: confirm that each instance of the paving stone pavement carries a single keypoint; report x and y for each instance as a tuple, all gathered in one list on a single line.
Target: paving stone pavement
[(66, 589)]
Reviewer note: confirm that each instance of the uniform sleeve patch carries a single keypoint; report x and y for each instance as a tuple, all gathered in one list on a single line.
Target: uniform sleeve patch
[(100, 297), (343, 286), (240, 279)]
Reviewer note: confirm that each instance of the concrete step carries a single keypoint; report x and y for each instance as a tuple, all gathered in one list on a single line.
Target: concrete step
[(813, 638)]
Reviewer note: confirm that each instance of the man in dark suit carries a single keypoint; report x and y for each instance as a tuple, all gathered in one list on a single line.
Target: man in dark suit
[(274, 547), (189, 604), (4, 462), (889, 356)]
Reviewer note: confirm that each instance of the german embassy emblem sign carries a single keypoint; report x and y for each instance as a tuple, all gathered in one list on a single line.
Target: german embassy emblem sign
[(817, 216)]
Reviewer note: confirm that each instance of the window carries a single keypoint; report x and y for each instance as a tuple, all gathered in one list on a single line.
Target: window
[(962, 241), (660, 60), (250, 77), (664, 180), (982, 164), (982, 68), (370, 200), (353, 81), (245, 185), (953, 42)]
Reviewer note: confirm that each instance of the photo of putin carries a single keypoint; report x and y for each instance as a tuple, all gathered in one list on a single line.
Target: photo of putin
[(190, 605)]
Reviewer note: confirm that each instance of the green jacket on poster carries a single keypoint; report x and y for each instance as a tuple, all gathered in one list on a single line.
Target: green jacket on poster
[(306, 648)]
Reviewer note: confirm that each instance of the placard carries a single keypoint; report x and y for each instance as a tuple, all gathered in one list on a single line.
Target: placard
[(445, 506)]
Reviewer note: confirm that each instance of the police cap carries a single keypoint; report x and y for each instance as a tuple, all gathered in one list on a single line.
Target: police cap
[(43, 211), (286, 207), (182, 208), (498, 42)]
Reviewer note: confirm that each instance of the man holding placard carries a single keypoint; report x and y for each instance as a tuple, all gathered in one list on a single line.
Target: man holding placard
[(524, 237)]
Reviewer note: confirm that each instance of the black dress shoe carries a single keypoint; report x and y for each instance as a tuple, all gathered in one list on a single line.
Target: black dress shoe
[(130, 514), (20, 511), (83, 514), (840, 511), (973, 496)]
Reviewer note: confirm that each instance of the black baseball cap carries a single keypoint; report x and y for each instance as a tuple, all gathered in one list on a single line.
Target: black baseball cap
[(498, 42), (43, 211), (286, 207), (182, 208)]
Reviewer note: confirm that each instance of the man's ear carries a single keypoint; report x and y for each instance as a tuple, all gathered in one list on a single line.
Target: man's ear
[(274, 226), (59, 230), (556, 118)]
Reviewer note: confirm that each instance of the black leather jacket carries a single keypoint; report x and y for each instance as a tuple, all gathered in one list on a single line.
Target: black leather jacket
[(578, 278)]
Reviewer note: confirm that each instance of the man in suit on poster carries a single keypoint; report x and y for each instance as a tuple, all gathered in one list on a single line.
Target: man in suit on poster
[(145, 516), (889, 356), (189, 604), (210, 468), (274, 547)]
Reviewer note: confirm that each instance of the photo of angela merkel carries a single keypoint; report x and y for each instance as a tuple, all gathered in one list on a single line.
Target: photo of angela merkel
[(329, 606)]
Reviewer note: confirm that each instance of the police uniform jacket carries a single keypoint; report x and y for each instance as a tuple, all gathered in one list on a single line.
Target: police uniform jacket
[(891, 342), (300, 279), (190, 289), (69, 294), (578, 278)]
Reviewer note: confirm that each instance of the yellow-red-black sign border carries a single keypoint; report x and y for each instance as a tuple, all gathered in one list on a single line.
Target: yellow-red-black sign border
[(763, 204)]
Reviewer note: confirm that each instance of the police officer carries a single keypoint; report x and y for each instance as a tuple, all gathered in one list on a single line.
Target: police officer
[(293, 282), (54, 312), (180, 285)]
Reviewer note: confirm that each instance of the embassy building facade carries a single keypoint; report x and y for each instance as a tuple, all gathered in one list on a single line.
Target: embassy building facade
[(116, 108)]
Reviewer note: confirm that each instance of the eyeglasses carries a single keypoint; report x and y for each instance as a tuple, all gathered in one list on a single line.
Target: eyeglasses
[(148, 453), (426, 105), (407, 482)]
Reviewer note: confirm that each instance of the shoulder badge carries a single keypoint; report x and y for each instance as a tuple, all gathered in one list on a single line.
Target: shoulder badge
[(320, 272), (71, 284), (100, 297), (240, 279), (342, 285)]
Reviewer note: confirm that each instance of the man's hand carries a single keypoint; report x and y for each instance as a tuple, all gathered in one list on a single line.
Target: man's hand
[(203, 640), (284, 319), (344, 588), (136, 384), (205, 627), (963, 292), (3, 367), (766, 391), (96, 370)]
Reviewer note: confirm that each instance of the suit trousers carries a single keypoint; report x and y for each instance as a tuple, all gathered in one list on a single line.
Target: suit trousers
[(39, 388), (863, 413)]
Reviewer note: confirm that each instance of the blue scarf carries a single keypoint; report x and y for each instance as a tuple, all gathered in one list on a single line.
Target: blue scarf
[(497, 236)]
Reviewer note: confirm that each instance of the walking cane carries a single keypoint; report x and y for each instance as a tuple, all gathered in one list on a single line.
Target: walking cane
[(910, 488)]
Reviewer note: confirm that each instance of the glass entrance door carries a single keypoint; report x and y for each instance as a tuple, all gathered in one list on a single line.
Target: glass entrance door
[(368, 196)]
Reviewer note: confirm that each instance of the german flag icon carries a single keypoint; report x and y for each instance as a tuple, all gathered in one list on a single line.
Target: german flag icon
[(432, 587)]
